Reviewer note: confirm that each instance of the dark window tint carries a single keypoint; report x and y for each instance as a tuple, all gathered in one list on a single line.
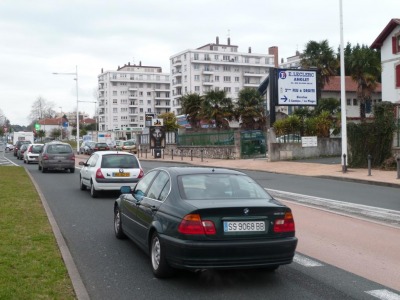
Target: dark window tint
[(119, 161), (59, 149), (36, 148), (160, 187), (143, 185)]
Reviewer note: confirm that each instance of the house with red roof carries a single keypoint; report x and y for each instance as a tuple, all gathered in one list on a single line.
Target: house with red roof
[(388, 42), (332, 90)]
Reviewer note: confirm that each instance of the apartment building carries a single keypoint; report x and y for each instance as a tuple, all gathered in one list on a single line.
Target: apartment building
[(217, 66), (126, 95)]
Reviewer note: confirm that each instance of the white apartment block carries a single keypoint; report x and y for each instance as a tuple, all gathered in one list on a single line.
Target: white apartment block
[(217, 66), (125, 96)]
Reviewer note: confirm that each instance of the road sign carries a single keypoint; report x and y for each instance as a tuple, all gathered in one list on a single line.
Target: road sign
[(297, 87)]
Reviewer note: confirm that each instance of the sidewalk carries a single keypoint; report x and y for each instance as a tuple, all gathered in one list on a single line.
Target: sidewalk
[(378, 177)]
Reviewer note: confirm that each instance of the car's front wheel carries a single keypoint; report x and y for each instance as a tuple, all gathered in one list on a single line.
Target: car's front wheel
[(119, 233), (81, 185), (159, 263)]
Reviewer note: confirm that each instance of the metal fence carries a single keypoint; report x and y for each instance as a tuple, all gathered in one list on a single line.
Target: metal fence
[(206, 139)]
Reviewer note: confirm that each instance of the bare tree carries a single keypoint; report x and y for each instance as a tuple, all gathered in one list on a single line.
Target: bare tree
[(42, 108), (3, 118)]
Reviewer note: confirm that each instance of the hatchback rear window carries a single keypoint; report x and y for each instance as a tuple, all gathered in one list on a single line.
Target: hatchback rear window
[(119, 161), (36, 148), (59, 149)]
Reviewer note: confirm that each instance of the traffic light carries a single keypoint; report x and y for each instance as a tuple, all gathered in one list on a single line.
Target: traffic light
[(37, 126)]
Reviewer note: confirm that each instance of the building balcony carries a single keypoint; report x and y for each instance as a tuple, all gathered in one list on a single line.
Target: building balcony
[(208, 82), (247, 74), (208, 71), (252, 84), (177, 62), (132, 89), (132, 97)]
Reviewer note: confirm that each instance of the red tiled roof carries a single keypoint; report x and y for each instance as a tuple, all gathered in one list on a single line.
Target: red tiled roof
[(350, 85), (393, 23), (50, 121)]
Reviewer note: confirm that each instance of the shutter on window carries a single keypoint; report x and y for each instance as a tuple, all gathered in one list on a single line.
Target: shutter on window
[(398, 76), (394, 46)]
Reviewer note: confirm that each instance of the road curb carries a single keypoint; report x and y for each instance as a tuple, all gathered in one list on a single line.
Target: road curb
[(79, 287)]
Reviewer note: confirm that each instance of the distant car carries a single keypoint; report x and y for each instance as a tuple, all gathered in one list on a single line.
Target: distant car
[(9, 147), (56, 156), (289, 138), (129, 145), (117, 145), (21, 151), (32, 153), (18, 145), (83, 149), (205, 218), (99, 147), (108, 171)]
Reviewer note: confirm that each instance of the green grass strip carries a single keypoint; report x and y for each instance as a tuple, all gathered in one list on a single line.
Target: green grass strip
[(31, 266)]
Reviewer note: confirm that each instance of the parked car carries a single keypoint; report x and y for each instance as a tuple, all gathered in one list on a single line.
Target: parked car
[(32, 153), (99, 147), (205, 218), (129, 145), (9, 147), (83, 149), (117, 145), (56, 156), (90, 147), (289, 138), (108, 171), (21, 151), (18, 145)]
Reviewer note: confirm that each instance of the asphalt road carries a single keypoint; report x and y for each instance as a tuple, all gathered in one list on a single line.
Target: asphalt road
[(114, 269)]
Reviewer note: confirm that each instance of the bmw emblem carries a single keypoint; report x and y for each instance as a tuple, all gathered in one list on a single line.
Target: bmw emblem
[(246, 211)]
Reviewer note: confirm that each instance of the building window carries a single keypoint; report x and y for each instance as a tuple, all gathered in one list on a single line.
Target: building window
[(227, 89), (197, 88), (348, 102), (148, 93), (226, 57), (237, 79), (196, 77), (396, 44), (227, 78), (114, 93), (355, 102), (216, 78), (115, 101), (216, 57), (196, 56), (398, 76), (227, 68), (115, 110)]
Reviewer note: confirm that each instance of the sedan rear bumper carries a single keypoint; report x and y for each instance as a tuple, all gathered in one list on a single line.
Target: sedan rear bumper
[(229, 254)]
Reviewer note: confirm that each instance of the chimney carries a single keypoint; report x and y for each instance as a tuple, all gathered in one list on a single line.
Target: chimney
[(249, 49), (274, 51), (217, 40), (229, 41), (297, 53), (140, 63)]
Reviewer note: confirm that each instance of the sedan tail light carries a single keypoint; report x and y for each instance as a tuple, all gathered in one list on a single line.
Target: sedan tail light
[(141, 173), (99, 174), (192, 224), (286, 224)]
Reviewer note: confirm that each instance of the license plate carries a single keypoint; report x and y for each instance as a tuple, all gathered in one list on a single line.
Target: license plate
[(244, 226), (58, 157), (121, 174)]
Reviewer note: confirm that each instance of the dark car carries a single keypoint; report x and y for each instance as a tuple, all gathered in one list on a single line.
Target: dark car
[(205, 218), (18, 145), (56, 156), (21, 151), (98, 147)]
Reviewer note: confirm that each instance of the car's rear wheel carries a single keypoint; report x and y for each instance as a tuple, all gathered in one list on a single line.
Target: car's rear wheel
[(93, 192), (119, 232), (44, 170), (72, 170), (159, 264), (81, 185)]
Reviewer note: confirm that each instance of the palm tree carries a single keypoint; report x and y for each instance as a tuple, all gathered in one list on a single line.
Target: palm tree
[(321, 56), (363, 64), (191, 107), (217, 109), (250, 110)]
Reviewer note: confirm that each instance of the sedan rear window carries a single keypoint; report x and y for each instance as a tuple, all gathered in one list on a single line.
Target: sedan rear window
[(219, 186), (119, 161)]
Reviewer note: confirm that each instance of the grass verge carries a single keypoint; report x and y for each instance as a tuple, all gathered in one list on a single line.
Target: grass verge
[(31, 266)]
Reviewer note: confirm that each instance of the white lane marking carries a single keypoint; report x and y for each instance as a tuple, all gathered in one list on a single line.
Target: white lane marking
[(382, 214), (384, 294), (306, 262)]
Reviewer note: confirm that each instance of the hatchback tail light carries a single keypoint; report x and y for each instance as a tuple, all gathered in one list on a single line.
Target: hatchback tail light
[(45, 157), (192, 224), (286, 224), (30, 149), (73, 157), (99, 174)]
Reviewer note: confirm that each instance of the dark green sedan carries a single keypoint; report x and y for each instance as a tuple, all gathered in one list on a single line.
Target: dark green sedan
[(205, 218)]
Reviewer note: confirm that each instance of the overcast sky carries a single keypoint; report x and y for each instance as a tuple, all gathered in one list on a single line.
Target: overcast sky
[(39, 37)]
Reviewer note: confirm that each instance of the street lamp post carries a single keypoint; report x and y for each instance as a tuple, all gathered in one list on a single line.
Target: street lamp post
[(61, 123), (77, 104)]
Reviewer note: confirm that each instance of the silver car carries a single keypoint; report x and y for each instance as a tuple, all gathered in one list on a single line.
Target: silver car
[(56, 156)]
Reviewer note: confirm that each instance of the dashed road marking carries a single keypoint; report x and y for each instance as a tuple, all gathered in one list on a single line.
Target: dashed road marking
[(384, 294), (305, 261)]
